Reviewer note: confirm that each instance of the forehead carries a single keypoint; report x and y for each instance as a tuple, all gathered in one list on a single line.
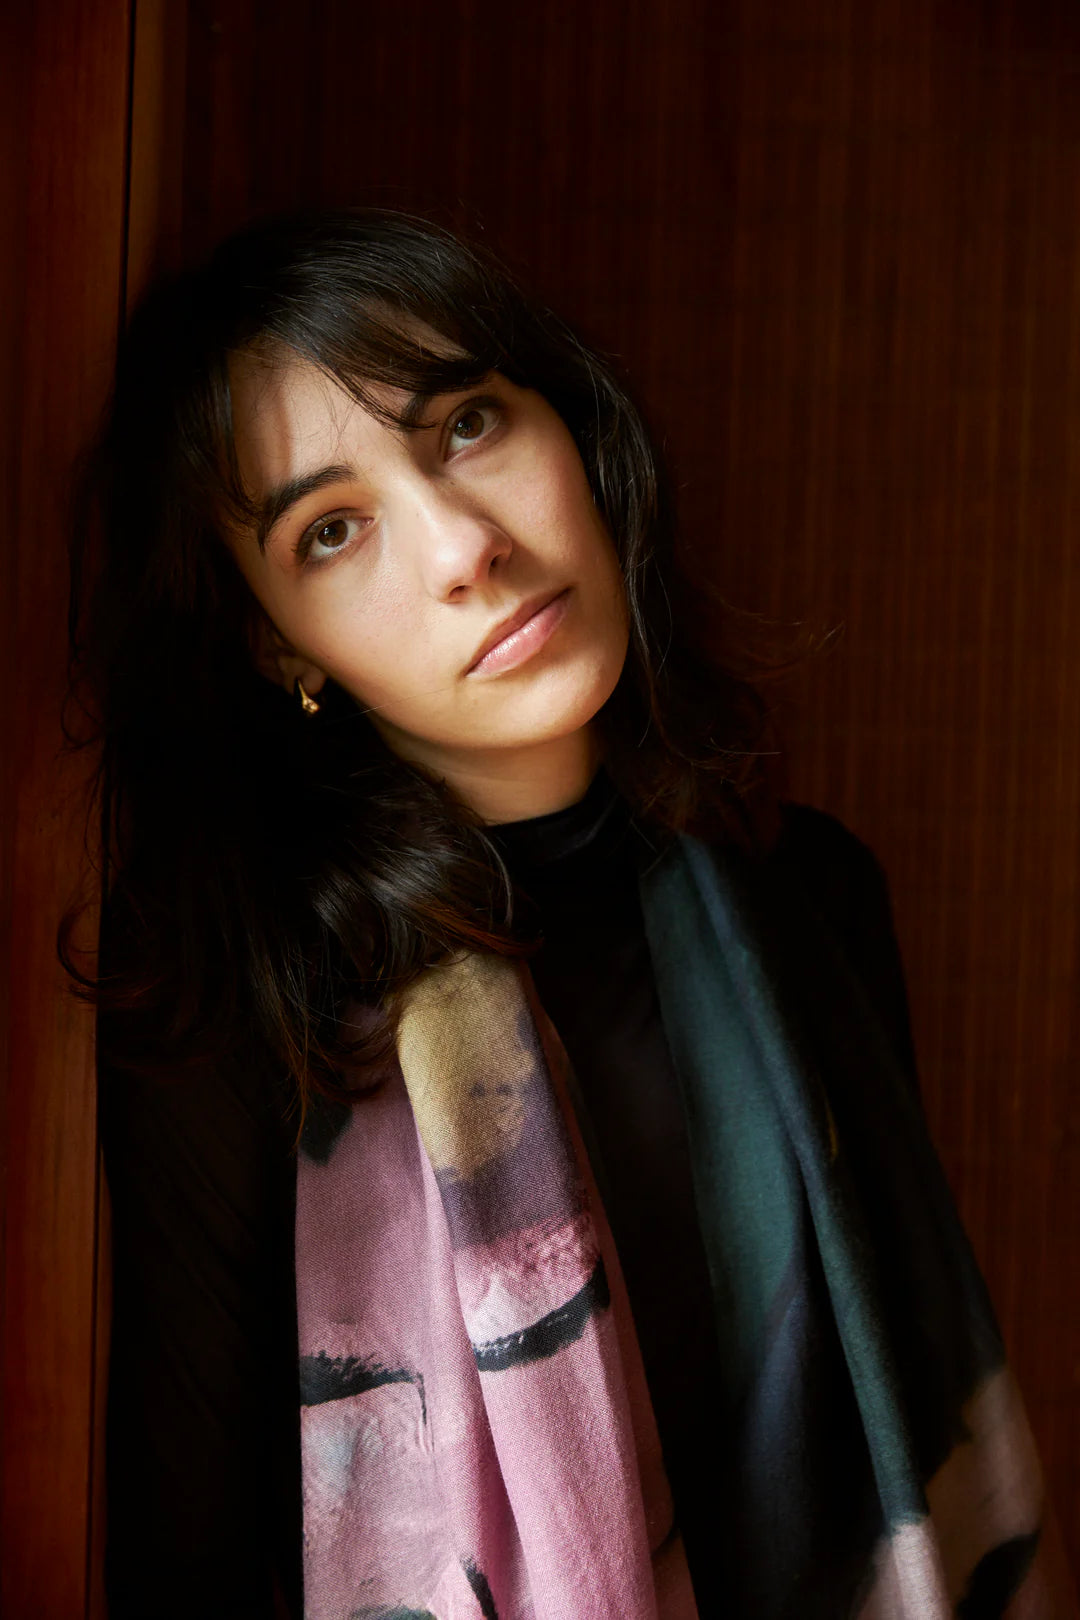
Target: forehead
[(286, 409), (288, 415)]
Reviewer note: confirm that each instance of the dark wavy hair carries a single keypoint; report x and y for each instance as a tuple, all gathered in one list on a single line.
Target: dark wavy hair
[(263, 869)]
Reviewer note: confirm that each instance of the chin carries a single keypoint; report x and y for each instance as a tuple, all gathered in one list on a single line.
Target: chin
[(560, 700)]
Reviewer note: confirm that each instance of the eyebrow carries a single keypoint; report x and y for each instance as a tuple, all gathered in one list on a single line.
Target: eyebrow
[(282, 498)]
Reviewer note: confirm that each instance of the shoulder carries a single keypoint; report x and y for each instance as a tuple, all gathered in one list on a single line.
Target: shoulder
[(847, 887), (815, 836), (840, 871)]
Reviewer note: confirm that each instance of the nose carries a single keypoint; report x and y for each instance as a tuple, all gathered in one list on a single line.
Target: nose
[(458, 543)]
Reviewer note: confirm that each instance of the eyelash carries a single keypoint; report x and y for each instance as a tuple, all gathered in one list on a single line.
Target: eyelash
[(302, 549)]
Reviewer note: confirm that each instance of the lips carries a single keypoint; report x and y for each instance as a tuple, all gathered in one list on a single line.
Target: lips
[(522, 615)]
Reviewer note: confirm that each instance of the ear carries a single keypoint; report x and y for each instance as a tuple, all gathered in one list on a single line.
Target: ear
[(277, 659)]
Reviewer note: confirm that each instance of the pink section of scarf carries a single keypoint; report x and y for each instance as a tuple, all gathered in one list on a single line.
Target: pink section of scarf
[(456, 1212)]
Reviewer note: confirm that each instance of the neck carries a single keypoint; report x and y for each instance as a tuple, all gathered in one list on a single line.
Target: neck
[(515, 784)]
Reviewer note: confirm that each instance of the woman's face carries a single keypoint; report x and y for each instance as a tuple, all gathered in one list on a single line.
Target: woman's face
[(390, 559)]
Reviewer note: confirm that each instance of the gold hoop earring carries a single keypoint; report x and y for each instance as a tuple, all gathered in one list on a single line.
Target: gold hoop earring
[(308, 704)]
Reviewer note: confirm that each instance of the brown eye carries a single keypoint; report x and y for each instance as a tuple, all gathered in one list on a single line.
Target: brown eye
[(327, 538), (333, 534), (475, 421), (469, 425)]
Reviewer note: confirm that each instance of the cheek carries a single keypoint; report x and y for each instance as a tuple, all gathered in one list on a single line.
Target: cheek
[(372, 640), (589, 549), (565, 493), (545, 497), (376, 641)]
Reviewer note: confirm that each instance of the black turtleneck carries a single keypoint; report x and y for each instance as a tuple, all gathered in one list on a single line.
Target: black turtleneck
[(203, 1424), (577, 870)]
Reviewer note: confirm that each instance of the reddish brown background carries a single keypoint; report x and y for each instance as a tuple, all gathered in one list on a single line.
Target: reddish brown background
[(836, 244), (63, 111)]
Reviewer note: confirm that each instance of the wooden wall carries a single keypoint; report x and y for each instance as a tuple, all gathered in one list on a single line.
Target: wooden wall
[(903, 454), (64, 80), (836, 244)]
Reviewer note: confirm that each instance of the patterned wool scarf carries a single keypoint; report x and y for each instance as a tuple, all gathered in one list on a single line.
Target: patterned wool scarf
[(477, 1434)]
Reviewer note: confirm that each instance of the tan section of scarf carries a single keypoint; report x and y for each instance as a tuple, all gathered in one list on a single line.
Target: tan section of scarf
[(464, 1052)]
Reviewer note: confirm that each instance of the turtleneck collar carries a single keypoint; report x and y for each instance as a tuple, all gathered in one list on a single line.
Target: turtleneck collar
[(593, 840), (538, 839)]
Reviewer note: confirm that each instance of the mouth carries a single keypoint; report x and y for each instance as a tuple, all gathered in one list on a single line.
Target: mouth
[(522, 634)]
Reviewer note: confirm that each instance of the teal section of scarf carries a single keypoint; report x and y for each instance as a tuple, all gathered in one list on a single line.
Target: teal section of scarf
[(811, 1159)]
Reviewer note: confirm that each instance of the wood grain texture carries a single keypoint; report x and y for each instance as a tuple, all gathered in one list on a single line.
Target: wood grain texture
[(67, 73), (904, 416), (837, 246)]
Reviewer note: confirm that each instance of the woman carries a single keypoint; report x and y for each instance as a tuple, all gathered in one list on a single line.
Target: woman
[(622, 1277)]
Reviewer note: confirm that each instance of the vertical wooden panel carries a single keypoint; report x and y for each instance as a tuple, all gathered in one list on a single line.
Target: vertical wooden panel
[(67, 72), (904, 421), (156, 168), (575, 138)]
